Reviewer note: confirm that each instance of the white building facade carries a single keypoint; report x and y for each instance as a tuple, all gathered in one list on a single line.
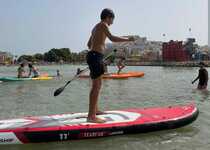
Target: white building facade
[(141, 47)]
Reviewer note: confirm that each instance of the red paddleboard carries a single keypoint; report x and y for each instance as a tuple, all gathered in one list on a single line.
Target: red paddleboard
[(75, 126)]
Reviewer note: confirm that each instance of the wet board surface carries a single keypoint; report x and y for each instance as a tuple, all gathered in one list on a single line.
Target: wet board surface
[(75, 126)]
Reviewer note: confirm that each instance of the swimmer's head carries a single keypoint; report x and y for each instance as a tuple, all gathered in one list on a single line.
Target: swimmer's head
[(202, 64), (30, 65), (22, 65)]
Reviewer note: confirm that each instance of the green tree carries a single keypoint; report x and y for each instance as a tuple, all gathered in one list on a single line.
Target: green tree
[(56, 55), (26, 58), (51, 56), (38, 57)]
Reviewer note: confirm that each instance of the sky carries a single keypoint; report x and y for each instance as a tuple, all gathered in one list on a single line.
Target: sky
[(36, 26)]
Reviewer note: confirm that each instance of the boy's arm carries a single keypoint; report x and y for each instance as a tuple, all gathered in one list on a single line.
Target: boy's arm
[(115, 38), (89, 42)]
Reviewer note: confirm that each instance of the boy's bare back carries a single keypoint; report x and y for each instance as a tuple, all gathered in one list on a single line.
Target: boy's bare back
[(98, 37)]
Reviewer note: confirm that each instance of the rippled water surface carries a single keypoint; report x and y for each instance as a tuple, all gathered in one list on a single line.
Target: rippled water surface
[(160, 86)]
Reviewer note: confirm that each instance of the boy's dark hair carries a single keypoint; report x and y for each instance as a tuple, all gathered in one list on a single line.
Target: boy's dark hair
[(107, 13)]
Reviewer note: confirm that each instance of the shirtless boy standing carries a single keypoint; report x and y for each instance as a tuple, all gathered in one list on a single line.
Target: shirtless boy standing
[(96, 44)]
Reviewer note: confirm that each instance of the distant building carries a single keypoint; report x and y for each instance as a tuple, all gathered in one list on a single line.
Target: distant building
[(140, 50), (202, 53), (189, 46), (175, 51), (5, 58)]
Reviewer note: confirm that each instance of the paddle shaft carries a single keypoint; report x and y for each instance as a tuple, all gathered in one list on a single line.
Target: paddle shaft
[(60, 90), (86, 69)]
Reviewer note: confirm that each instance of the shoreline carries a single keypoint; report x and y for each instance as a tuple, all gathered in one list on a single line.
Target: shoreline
[(168, 64), (154, 64)]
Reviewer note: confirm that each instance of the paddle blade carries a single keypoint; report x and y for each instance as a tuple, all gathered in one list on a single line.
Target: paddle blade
[(58, 91)]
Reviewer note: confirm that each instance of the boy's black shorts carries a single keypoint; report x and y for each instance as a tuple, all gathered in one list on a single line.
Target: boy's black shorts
[(95, 63)]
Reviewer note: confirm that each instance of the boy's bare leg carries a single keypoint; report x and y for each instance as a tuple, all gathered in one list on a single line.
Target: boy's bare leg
[(93, 98), (118, 72), (98, 111), (120, 69)]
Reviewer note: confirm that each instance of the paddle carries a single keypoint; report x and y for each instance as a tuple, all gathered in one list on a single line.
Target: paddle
[(61, 89)]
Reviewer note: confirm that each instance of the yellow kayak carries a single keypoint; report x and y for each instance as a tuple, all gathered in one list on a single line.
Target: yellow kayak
[(42, 78), (9, 79)]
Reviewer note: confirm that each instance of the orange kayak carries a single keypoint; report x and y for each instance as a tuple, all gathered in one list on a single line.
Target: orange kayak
[(118, 76), (135, 74)]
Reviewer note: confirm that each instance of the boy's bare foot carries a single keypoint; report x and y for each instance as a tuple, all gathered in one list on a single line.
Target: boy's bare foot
[(95, 120), (100, 112)]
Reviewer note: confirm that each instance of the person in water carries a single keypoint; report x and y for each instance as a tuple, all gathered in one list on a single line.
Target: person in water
[(108, 62), (33, 70), (202, 76), (121, 62), (106, 69), (21, 71), (120, 65), (58, 73), (96, 45)]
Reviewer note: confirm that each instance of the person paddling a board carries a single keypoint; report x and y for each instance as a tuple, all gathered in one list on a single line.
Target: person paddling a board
[(96, 45), (121, 62), (202, 76), (21, 71), (33, 70)]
